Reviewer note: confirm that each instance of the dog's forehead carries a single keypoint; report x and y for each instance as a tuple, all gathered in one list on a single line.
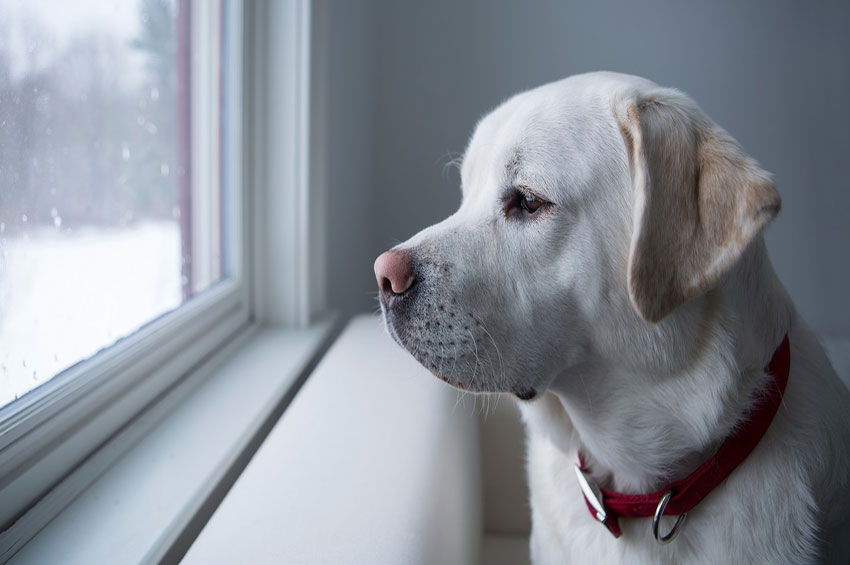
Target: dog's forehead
[(546, 137)]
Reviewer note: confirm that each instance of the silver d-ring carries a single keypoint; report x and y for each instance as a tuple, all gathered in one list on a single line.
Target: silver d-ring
[(656, 520)]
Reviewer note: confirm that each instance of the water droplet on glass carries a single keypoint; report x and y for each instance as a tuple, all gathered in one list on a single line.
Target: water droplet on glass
[(24, 218), (57, 222), (175, 212), (151, 129), (24, 362), (163, 168), (34, 376), (154, 93), (125, 152)]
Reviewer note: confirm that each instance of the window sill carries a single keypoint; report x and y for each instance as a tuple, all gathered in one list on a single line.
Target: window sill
[(375, 461), (163, 475)]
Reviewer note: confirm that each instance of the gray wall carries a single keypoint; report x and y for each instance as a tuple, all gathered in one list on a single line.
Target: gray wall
[(344, 106), (412, 78)]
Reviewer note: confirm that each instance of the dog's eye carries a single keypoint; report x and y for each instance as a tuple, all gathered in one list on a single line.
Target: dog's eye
[(521, 203), (530, 204)]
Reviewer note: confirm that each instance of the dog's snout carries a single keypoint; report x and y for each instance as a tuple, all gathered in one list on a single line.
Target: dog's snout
[(394, 273)]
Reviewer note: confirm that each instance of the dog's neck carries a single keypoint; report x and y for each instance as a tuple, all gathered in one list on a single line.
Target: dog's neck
[(639, 426)]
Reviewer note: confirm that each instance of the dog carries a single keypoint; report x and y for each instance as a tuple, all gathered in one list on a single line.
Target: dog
[(606, 266)]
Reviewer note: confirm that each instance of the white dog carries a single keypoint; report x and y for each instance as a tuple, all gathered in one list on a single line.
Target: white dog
[(607, 267)]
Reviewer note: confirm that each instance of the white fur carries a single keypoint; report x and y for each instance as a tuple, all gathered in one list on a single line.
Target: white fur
[(544, 304)]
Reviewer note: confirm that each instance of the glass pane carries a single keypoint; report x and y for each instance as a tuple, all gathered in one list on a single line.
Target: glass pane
[(110, 214)]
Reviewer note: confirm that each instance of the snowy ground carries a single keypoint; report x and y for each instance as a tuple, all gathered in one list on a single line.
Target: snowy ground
[(66, 295)]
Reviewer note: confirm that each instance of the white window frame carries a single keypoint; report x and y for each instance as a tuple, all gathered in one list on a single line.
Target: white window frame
[(49, 432)]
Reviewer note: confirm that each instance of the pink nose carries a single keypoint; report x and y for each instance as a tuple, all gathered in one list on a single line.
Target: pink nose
[(394, 272)]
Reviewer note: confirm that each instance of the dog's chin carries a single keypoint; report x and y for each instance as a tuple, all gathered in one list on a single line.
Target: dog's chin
[(521, 394), (454, 384)]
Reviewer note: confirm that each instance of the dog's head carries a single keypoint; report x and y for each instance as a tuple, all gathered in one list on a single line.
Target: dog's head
[(597, 213)]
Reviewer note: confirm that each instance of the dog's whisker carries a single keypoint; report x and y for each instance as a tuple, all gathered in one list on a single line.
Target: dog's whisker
[(458, 396), (498, 353), (442, 359), (477, 361)]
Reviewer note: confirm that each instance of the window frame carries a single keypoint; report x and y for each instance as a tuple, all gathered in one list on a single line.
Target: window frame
[(47, 433)]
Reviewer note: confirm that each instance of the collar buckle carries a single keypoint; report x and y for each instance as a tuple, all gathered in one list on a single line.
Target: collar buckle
[(592, 493)]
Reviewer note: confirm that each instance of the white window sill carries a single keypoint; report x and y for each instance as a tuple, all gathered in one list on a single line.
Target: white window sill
[(375, 461), (160, 491)]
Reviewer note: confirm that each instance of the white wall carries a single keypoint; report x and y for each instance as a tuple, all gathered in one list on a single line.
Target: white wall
[(416, 76)]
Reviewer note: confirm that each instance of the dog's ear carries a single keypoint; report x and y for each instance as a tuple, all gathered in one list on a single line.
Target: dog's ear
[(698, 202)]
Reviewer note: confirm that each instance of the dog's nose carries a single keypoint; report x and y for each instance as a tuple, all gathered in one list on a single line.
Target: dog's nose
[(394, 273)]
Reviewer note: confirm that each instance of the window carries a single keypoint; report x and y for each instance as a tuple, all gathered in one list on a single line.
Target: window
[(122, 237), (111, 215)]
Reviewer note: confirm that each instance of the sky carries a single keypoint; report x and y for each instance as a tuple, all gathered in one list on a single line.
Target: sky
[(59, 22)]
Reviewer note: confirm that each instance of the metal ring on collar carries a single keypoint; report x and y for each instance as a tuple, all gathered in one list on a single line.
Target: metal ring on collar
[(656, 520)]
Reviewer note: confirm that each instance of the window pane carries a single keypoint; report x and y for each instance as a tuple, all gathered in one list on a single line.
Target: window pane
[(110, 202)]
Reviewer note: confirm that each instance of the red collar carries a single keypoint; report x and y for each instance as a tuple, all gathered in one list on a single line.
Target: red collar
[(608, 506)]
